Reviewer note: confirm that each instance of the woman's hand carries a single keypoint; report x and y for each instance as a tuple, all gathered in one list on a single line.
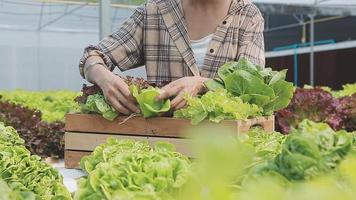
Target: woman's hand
[(115, 90), (191, 85), (117, 94)]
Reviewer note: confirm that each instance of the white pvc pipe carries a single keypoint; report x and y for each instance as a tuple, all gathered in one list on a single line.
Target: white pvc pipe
[(104, 18)]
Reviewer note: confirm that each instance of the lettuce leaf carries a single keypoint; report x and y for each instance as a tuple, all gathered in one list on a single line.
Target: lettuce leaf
[(348, 105), (96, 104), (243, 82), (9, 194), (52, 104), (27, 173), (314, 104), (311, 150), (216, 106), (133, 170), (263, 87), (348, 90), (284, 93), (41, 138), (146, 98)]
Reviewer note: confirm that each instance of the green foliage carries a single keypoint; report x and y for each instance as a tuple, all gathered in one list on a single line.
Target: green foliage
[(221, 163), (217, 106), (263, 87), (146, 98), (348, 90), (310, 151), (9, 194), (52, 104), (26, 173), (267, 145), (96, 104), (314, 162), (125, 169)]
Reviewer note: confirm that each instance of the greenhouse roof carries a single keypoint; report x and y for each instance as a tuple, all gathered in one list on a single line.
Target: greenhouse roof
[(310, 2), (320, 7)]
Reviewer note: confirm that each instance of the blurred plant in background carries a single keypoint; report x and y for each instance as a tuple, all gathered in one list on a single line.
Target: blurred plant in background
[(224, 169), (52, 104), (39, 118)]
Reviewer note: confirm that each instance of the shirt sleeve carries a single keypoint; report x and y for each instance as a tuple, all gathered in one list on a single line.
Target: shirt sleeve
[(251, 40), (123, 48)]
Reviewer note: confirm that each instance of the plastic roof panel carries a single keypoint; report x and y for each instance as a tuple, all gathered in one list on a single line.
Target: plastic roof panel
[(342, 3), (324, 7)]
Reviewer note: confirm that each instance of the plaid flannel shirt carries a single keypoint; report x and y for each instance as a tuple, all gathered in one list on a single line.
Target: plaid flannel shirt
[(156, 36)]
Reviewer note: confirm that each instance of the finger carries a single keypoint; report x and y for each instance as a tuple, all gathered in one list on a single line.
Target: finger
[(118, 106), (170, 85), (177, 100), (123, 88), (182, 104), (165, 94), (127, 103)]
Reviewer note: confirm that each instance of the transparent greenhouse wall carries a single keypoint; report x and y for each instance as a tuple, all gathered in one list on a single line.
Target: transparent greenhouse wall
[(44, 60), (47, 59)]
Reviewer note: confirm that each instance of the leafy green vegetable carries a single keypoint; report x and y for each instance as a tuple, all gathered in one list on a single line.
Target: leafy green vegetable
[(348, 105), (263, 87), (105, 152), (282, 90), (146, 98), (348, 90), (221, 163), (242, 82), (267, 145), (26, 173), (9, 194), (313, 159), (125, 169), (41, 138), (52, 104), (216, 106), (310, 151), (279, 76), (317, 105), (321, 104), (96, 103)]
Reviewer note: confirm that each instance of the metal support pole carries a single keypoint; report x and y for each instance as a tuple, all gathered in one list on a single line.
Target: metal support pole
[(296, 67), (312, 49), (105, 18)]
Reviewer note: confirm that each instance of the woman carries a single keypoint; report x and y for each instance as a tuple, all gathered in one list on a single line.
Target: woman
[(183, 42)]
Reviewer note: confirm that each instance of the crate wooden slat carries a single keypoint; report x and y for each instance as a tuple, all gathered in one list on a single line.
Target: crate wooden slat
[(84, 132), (160, 126), (72, 158)]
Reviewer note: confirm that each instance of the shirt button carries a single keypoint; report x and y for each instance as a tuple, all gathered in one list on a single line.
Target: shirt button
[(211, 50), (224, 22)]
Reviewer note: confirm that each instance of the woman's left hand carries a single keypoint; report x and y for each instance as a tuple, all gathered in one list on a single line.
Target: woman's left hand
[(191, 85)]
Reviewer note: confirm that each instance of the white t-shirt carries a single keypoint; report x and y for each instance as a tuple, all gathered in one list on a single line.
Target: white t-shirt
[(199, 48)]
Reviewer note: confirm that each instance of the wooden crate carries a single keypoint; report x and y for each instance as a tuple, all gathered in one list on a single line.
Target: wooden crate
[(84, 132)]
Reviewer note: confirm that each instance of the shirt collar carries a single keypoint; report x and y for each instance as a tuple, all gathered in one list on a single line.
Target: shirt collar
[(236, 5)]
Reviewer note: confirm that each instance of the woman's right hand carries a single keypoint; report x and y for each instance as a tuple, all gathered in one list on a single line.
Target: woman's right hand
[(117, 93)]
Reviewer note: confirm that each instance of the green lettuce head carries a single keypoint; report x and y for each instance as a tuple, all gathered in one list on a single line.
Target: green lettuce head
[(146, 99)]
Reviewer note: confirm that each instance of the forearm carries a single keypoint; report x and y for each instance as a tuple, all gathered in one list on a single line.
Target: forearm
[(95, 70)]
